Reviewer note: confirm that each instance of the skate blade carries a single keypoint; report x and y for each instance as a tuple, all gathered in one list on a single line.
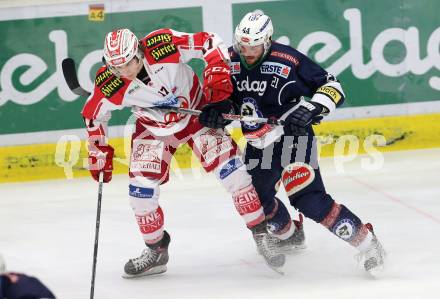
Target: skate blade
[(153, 271), (277, 270), (276, 266), (293, 250), (376, 271)]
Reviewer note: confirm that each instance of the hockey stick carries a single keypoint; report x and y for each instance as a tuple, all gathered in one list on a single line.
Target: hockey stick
[(98, 222), (226, 116), (69, 72)]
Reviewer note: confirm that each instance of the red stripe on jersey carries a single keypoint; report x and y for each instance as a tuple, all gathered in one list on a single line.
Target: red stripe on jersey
[(97, 108)]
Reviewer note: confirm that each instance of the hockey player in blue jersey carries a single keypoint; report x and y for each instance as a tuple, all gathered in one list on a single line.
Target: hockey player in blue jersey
[(272, 80), (21, 286)]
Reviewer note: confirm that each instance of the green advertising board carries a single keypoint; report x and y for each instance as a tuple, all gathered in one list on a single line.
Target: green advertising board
[(384, 52), (34, 96)]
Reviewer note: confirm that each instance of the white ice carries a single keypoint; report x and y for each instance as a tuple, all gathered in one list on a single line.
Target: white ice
[(47, 230)]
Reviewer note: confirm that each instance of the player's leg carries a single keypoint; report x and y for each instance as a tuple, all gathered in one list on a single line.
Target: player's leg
[(149, 167), (306, 192), (219, 153), (264, 165)]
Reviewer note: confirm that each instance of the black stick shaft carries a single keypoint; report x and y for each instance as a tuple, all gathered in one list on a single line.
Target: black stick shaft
[(95, 248)]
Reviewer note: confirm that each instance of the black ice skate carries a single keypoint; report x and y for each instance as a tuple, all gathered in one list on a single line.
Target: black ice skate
[(152, 261), (295, 242), (267, 248), (373, 256)]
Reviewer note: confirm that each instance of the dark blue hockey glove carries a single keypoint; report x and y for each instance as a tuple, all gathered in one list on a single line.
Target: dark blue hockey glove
[(212, 117), (306, 114)]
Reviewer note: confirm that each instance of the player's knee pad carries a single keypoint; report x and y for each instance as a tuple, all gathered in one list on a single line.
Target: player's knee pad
[(279, 221), (344, 224), (233, 174)]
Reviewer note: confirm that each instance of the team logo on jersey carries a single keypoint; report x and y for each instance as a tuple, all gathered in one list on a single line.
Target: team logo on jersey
[(157, 39), (235, 68), (169, 100), (172, 117), (111, 87), (163, 51), (344, 229), (276, 68), (230, 167), (255, 86), (249, 107)]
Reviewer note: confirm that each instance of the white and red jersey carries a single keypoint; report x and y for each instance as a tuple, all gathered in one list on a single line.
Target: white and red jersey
[(171, 82)]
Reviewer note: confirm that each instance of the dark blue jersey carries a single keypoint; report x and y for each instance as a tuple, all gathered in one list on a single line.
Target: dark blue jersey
[(277, 83), (18, 285)]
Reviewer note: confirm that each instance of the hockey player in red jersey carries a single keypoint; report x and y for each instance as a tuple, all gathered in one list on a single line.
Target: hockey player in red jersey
[(271, 80), (146, 75)]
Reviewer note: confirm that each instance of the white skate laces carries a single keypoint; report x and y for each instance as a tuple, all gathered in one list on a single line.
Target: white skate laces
[(146, 260)]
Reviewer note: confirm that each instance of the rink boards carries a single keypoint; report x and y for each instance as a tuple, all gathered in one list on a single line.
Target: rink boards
[(67, 160), (386, 57)]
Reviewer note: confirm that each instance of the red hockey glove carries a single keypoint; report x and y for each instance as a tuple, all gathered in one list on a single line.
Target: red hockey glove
[(101, 159), (217, 84)]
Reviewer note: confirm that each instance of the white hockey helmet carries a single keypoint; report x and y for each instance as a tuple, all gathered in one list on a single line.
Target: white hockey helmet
[(254, 29), (120, 47)]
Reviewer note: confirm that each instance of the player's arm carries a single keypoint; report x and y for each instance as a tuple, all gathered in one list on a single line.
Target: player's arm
[(217, 85), (203, 45), (326, 94), (326, 89), (96, 114), (208, 46)]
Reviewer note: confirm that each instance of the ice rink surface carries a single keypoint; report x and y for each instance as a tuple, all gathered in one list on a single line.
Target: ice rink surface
[(47, 230)]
